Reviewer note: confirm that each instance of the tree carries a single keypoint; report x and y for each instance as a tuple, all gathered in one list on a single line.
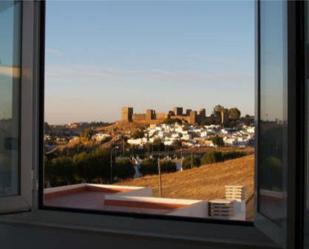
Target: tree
[(233, 154), (149, 167), (87, 133), (158, 145), (217, 110), (191, 161), (177, 144), (60, 170), (212, 157), (234, 114), (93, 166), (123, 168), (218, 141), (171, 121), (168, 166), (138, 134)]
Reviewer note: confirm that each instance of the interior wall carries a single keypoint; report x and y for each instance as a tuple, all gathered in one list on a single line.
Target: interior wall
[(34, 237)]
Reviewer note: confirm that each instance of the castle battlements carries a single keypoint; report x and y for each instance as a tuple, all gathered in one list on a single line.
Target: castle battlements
[(189, 116)]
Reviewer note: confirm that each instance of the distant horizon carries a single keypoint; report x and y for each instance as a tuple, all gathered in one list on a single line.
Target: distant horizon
[(143, 111), (102, 55)]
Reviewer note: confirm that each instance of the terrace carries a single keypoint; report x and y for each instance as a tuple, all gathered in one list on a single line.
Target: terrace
[(134, 200)]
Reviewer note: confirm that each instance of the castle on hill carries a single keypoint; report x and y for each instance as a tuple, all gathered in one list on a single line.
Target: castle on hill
[(189, 116)]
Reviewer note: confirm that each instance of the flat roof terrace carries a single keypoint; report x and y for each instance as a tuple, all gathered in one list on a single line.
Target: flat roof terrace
[(122, 199), (86, 196)]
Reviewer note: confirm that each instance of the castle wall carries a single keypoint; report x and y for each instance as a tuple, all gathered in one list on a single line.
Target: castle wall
[(182, 117), (178, 111), (191, 117), (150, 114), (139, 117), (126, 114), (161, 115)]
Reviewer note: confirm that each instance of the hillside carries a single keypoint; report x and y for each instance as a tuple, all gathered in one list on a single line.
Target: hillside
[(206, 182)]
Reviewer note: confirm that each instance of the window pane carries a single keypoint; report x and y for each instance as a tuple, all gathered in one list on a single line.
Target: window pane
[(272, 130), (9, 97), (149, 107)]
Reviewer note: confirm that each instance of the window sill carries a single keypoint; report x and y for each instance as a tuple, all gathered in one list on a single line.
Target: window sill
[(216, 235)]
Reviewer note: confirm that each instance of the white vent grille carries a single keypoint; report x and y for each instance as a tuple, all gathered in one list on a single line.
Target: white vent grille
[(235, 192), (221, 208)]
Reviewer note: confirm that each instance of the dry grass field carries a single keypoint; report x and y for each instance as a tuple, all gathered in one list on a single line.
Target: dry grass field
[(206, 182)]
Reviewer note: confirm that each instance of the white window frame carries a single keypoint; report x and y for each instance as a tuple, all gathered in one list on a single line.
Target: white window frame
[(23, 201), (211, 234)]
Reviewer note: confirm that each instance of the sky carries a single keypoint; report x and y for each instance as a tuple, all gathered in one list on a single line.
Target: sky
[(9, 58), (102, 55)]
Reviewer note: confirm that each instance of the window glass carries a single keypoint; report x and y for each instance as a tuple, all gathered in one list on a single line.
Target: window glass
[(149, 107), (272, 124), (9, 97)]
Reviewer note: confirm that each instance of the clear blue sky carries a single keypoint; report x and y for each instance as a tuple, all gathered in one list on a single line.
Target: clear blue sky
[(103, 55)]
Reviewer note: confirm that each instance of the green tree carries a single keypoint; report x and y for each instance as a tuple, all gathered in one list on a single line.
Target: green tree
[(191, 161), (60, 170), (233, 154), (138, 134), (93, 166), (149, 166), (158, 145), (171, 121), (212, 157), (168, 166), (218, 141), (217, 110), (234, 114), (123, 168), (87, 133), (177, 144)]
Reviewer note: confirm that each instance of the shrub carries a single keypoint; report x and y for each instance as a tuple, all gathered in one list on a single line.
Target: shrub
[(171, 121), (158, 145), (149, 167), (89, 167), (138, 134), (168, 166), (123, 169), (59, 170), (176, 144), (218, 141), (188, 160), (93, 166), (233, 154), (212, 157)]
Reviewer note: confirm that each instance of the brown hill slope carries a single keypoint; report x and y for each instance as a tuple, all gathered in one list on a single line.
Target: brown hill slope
[(206, 182)]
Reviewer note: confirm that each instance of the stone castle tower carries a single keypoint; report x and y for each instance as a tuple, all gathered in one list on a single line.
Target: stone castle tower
[(126, 114)]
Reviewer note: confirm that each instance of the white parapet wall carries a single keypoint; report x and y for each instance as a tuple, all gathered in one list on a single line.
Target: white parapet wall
[(221, 208), (63, 188), (118, 189), (174, 207), (140, 200), (227, 209), (135, 191), (196, 210), (239, 210), (233, 207)]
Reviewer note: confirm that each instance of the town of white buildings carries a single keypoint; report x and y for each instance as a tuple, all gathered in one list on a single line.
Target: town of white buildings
[(194, 136)]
